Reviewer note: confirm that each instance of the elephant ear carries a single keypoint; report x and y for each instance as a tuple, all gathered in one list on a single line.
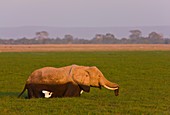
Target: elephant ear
[(82, 78)]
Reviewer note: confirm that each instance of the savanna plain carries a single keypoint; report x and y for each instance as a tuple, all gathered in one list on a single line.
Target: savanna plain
[(143, 76)]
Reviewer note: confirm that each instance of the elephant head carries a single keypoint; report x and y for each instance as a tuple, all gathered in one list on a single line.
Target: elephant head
[(92, 77)]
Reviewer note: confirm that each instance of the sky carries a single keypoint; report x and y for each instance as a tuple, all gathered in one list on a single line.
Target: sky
[(84, 13)]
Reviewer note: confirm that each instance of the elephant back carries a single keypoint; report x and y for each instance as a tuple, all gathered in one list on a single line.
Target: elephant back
[(49, 75)]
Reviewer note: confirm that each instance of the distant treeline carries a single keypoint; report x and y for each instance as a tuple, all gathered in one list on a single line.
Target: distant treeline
[(134, 38)]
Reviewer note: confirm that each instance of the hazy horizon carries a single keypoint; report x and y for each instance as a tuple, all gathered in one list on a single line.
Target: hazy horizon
[(79, 32), (89, 13)]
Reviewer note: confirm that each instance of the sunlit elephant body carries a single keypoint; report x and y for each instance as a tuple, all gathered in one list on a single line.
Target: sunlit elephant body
[(69, 81)]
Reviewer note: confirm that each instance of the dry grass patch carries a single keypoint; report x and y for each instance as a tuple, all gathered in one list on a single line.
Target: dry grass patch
[(84, 47)]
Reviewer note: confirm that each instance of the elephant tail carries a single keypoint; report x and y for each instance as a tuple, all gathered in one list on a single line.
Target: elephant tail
[(23, 91)]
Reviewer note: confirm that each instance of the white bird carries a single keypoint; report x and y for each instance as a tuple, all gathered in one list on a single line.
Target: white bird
[(47, 93)]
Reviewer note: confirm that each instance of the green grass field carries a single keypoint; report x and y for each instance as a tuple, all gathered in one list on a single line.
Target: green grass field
[(143, 76)]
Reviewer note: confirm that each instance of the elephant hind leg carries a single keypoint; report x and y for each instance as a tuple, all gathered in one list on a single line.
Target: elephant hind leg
[(30, 93), (33, 93)]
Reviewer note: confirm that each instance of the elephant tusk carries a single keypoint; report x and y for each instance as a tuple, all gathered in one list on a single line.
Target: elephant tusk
[(81, 92), (110, 88)]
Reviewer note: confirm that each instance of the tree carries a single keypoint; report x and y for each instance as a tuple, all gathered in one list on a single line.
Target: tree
[(68, 39), (98, 39), (109, 38), (42, 35), (154, 35), (106, 39), (135, 34)]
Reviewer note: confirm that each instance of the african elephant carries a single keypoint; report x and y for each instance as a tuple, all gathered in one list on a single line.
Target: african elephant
[(69, 81)]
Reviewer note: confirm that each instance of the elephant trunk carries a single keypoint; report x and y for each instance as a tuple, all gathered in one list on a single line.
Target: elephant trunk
[(109, 85)]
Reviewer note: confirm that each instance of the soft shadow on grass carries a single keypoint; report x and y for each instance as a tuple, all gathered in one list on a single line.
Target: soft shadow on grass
[(10, 94)]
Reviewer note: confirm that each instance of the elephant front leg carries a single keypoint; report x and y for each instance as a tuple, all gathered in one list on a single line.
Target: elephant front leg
[(72, 91)]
